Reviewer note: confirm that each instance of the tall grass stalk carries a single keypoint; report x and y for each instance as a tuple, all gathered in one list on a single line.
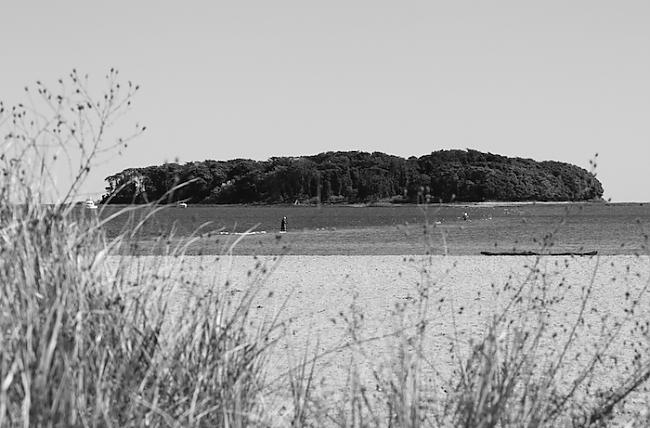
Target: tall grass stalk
[(86, 342)]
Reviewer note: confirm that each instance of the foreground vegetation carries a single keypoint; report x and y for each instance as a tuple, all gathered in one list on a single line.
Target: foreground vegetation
[(85, 343), (352, 177)]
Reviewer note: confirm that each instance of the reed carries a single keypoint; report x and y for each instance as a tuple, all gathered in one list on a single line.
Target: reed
[(83, 343)]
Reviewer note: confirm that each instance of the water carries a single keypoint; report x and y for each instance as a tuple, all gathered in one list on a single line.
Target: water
[(606, 228)]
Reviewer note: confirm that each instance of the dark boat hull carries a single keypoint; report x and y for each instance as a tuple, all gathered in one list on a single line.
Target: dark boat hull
[(533, 253)]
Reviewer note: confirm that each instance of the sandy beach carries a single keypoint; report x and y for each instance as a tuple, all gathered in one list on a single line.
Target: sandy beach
[(315, 295)]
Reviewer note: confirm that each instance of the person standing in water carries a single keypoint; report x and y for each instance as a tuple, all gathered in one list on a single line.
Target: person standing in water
[(283, 224)]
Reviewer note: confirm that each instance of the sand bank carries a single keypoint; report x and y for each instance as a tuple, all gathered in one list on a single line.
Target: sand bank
[(316, 294)]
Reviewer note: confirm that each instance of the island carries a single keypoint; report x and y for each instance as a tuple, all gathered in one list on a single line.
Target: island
[(356, 177)]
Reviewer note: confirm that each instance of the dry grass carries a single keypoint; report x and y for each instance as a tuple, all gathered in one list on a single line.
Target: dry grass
[(85, 345)]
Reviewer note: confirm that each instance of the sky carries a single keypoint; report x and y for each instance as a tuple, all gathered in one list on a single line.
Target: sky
[(548, 80)]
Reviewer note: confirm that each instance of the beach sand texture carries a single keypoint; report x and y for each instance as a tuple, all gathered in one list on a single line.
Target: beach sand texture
[(314, 294)]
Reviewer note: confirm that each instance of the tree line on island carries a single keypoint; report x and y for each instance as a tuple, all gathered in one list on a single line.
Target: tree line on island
[(356, 177)]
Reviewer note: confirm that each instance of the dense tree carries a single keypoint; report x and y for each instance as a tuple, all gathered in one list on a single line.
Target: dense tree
[(445, 175)]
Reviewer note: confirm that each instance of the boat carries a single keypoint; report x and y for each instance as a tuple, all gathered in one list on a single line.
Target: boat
[(181, 205), (533, 253), (90, 204)]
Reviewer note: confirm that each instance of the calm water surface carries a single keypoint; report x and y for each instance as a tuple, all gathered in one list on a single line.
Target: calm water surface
[(607, 228)]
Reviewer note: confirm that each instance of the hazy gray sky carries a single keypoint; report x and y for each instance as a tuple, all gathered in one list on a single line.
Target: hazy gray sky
[(547, 79)]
